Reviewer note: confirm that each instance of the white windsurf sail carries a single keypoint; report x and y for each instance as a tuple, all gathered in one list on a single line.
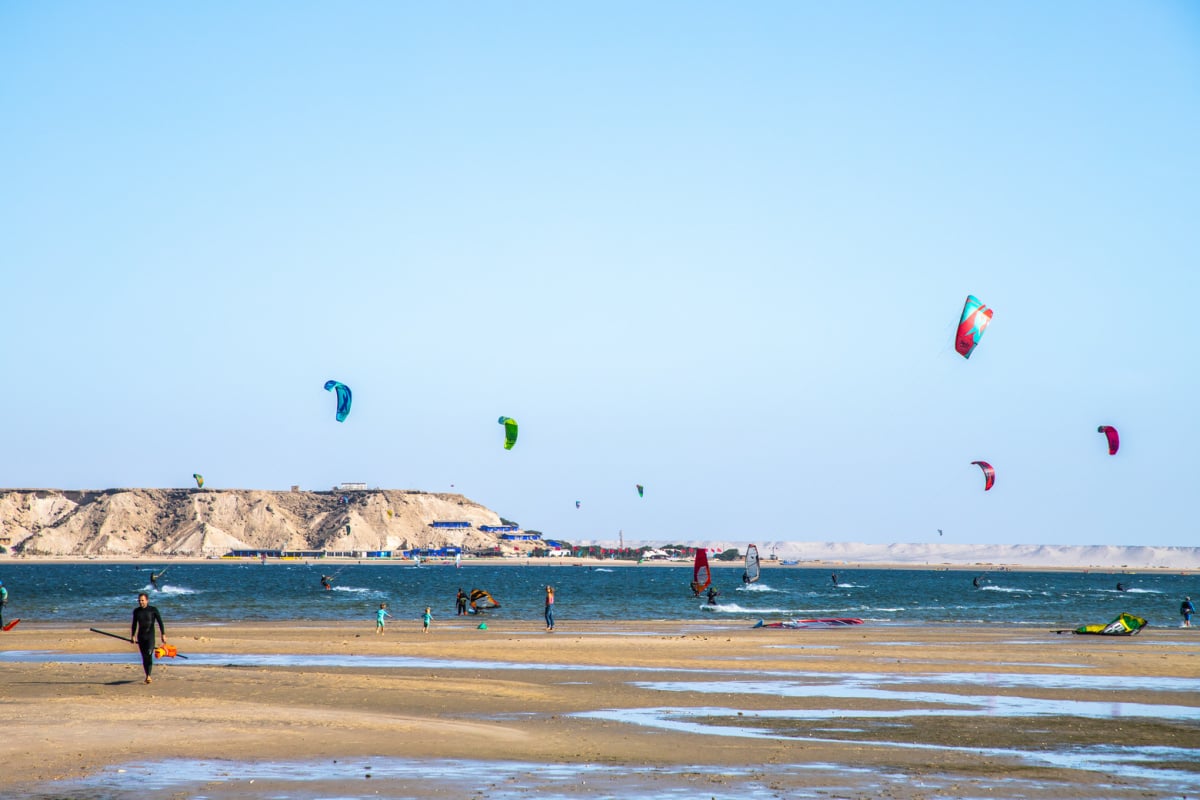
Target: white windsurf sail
[(751, 574)]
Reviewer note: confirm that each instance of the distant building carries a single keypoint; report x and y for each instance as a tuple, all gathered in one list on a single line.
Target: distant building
[(350, 487)]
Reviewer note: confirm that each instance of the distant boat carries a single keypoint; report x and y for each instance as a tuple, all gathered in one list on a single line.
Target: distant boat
[(701, 577), (752, 569)]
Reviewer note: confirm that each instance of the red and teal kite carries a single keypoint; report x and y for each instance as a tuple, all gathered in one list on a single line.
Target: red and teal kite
[(975, 319)]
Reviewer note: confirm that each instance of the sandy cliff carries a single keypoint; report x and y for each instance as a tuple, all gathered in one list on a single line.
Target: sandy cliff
[(195, 522)]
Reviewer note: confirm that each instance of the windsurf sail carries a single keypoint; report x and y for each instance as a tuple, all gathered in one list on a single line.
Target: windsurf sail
[(826, 622), (482, 601), (751, 573), (1124, 625), (701, 577)]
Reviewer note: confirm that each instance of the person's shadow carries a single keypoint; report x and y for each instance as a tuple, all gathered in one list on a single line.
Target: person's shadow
[(122, 683)]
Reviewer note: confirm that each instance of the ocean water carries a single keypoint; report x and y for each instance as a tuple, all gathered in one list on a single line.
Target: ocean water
[(228, 592)]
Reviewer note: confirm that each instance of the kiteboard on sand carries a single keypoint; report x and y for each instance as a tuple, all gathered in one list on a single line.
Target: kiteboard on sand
[(826, 622), (12, 624)]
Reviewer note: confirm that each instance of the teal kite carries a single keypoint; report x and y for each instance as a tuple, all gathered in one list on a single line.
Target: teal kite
[(640, 489), (343, 398), (510, 431)]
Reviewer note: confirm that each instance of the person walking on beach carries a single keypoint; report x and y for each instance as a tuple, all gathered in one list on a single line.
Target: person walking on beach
[(426, 618), (379, 616), (549, 608), (141, 632), (460, 602), (1187, 609), (3, 603)]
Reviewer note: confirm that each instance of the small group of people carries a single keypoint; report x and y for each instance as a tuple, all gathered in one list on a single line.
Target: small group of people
[(383, 613)]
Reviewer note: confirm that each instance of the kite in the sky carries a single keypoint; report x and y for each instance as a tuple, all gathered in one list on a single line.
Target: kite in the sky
[(343, 398), (989, 474), (640, 489), (577, 504), (199, 480), (975, 319), (1110, 433), (510, 431)]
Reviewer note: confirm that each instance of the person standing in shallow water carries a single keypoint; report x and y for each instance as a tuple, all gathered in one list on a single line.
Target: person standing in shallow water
[(460, 602), (1187, 609), (141, 632)]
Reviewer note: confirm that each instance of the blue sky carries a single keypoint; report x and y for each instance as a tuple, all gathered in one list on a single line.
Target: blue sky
[(716, 249)]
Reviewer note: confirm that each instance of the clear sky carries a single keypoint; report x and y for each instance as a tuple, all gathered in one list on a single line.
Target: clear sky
[(717, 249)]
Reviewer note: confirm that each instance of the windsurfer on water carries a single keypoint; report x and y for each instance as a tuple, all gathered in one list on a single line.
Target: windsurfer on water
[(697, 588)]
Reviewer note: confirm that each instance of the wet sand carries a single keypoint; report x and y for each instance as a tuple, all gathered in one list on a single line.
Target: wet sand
[(879, 711)]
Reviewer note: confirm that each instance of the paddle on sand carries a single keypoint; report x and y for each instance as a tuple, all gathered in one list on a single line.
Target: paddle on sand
[(162, 650)]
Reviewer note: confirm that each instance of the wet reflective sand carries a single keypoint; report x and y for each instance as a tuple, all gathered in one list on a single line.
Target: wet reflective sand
[(312, 711)]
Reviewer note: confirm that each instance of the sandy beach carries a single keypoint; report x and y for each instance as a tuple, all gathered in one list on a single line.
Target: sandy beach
[(902, 712)]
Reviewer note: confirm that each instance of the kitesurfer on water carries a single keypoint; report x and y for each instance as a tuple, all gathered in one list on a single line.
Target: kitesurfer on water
[(154, 576), (1120, 587), (326, 582), (460, 602), (712, 595), (1185, 608), (141, 632), (833, 578)]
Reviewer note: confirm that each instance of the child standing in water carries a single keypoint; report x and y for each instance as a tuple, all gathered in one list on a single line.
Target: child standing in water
[(379, 615), (426, 618)]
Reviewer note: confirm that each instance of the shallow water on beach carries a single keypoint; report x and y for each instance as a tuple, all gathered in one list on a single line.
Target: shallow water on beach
[(228, 592), (374, 778)]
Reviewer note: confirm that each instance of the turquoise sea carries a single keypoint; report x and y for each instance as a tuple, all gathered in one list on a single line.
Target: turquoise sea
[(224, 591)]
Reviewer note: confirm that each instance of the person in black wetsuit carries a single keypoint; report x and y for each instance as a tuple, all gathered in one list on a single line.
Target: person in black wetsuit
[(460, 602), (141, 632)]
